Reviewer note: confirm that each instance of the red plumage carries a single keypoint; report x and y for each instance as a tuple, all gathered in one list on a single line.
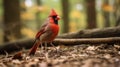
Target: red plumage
[(53, 13), (47, 32)]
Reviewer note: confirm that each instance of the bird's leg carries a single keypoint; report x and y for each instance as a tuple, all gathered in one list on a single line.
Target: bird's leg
[(53, 45), (46, 46), (41, 46)]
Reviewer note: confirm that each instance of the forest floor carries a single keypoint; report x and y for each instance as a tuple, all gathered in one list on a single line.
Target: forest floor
[(84, 55)]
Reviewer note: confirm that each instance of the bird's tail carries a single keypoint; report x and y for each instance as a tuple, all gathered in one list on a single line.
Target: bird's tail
[(34, 47)]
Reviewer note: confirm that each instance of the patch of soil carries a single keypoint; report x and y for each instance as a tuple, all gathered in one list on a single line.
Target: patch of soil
[(85, 55)]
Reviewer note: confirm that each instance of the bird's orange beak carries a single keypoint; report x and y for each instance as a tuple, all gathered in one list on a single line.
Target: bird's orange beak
[(58, 17)]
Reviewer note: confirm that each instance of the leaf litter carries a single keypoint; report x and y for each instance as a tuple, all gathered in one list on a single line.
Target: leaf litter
[(84, 55)]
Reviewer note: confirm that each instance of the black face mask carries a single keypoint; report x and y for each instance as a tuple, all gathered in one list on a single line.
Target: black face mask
[(55, 19)]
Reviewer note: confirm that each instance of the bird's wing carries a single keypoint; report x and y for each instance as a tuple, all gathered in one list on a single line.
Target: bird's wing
[(42, 29)]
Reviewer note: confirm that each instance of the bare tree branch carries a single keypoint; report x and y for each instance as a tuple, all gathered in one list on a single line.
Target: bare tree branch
[(94, 33)]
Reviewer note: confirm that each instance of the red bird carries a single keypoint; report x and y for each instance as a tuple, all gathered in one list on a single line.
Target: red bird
[(47, 32)]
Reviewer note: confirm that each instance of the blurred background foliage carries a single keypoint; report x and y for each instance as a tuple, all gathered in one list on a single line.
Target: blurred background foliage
[(75, 15)]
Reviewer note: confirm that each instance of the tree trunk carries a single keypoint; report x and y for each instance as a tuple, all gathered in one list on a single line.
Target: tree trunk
[(91, 14), (38, 19), (12, 24), (65, 14), (117, 12), (106, 14)]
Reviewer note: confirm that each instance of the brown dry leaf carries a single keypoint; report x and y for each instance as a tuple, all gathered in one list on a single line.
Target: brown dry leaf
[(18, 56), (91, 48)]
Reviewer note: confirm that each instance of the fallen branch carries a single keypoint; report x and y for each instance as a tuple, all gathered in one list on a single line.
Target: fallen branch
[(96, 35), (93, 33), (27, 44), (16, 46), (71, 42)]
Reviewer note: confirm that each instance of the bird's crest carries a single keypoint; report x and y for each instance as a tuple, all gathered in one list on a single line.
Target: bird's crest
[(53, 13)]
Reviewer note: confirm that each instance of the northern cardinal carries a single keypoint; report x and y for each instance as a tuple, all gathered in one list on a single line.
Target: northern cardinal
[(47, 32)]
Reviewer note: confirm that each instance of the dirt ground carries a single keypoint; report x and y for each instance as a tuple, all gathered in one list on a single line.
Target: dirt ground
[(84, 55)]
